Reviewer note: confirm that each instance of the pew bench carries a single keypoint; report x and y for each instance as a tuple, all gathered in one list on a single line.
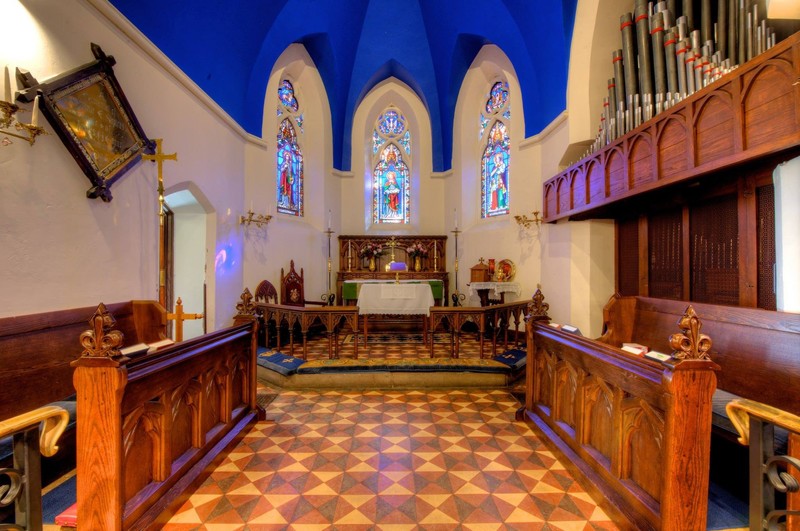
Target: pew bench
[(758, 351), (35, 355)]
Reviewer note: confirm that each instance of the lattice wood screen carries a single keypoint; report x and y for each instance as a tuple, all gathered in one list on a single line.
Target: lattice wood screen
[(665, 255), (765, 216), (628, 257), (714, 251)]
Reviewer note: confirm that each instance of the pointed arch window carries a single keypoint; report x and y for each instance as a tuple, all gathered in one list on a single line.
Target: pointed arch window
[(496, 152), (391, 174), (288, 153)]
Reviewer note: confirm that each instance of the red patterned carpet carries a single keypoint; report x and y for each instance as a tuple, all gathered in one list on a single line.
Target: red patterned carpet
[(390, 460)]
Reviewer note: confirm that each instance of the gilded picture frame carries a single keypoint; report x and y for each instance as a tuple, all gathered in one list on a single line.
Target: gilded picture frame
[(91, 115)]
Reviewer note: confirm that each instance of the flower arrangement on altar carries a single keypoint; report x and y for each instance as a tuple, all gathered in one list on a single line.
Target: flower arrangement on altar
[(371, 250), (417, 249)]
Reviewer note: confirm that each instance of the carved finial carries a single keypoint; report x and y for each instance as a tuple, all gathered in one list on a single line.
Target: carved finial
[(537, 308), (246, 306), (690, 344), (100, 341)]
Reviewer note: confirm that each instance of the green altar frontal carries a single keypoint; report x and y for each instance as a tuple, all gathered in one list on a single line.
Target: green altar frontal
[(350, 289)]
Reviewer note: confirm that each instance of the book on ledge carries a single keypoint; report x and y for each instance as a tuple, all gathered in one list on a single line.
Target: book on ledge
[(635, 348), (156, 345), (132, 351), (657, 356)]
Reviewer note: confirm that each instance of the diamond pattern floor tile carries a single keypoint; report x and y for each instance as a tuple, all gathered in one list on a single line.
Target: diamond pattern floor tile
[(390, 461)]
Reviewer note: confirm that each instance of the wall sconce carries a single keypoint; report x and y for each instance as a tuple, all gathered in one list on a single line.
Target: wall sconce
[(526, 222), (8, 109), (256, 219)]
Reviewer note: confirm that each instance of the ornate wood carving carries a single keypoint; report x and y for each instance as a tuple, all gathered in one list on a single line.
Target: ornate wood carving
[(748, 114), (537, 308), (101, 341), (245, 305), (690, 344)]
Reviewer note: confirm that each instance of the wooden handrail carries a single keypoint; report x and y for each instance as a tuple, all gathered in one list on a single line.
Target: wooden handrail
[(53, 420)]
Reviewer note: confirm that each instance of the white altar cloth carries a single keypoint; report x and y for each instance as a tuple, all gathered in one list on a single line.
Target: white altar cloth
[(498, 287), (395, 299)]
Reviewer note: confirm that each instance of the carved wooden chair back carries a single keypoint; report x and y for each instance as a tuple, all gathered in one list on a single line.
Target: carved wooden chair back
[(292, 287), (266, 292)]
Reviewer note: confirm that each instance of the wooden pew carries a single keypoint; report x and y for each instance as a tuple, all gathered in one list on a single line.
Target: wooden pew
[(35, 355), (148, 427), (758, 350), (638, 430)]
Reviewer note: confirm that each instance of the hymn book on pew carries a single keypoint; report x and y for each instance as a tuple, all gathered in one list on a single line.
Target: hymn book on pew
[(144, 348)]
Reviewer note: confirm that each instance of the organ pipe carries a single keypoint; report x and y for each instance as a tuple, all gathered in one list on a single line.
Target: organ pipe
[(665, 56)]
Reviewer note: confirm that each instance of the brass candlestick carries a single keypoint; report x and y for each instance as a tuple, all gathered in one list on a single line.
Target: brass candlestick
[(30, 131), (256, 219)]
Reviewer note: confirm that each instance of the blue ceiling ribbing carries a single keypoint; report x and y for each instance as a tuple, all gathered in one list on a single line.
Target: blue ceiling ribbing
[(229, 52)]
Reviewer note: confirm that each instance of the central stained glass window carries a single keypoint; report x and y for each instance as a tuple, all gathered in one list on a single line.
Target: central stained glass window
[(391, 187)]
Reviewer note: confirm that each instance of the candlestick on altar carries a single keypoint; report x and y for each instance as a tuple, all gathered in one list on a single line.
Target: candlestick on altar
[(435, 257), (328, 297), (349, 254), (457, 297)]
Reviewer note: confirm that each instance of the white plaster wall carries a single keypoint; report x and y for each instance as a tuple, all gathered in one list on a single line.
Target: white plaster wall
[(787, 246), (302, 239), (190, 256), (62, 250)]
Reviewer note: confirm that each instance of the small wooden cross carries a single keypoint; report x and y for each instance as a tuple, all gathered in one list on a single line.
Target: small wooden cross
[(179, 317)]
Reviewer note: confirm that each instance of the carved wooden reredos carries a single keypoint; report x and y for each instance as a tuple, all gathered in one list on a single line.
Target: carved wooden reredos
[(350, 248)]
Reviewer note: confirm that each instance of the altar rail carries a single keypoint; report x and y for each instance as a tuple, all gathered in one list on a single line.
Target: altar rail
[(638, 430), (149, 426)]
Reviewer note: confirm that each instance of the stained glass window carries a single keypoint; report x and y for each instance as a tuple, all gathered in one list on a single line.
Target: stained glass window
[(391, 186), (391, 189), (289, 156), (286, 96), (496, 153)]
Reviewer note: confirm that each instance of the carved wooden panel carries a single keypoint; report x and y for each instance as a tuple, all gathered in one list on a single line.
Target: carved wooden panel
[(672, 155), (747, 115), (545, 372), (566, 381), (578, 183), (713, 128), (642, 446), (598, 416), (596, 181), (562, 192), (617, 176), (641, 162), (769, 103)]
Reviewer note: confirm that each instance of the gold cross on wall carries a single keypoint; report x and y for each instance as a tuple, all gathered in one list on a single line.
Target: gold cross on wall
[(159, 157)]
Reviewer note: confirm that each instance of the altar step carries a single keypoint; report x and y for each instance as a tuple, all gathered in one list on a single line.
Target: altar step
[(392, 362)]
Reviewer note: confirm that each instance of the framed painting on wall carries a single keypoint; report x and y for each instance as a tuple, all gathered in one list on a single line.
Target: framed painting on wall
[(88, 110)]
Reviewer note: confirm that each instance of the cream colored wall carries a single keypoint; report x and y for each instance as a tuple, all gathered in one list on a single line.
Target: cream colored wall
[(302, 239), (62, 250), (190, 252)]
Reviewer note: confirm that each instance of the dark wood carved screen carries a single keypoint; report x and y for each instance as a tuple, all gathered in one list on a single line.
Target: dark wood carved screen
[(714, 251), (765, 219)]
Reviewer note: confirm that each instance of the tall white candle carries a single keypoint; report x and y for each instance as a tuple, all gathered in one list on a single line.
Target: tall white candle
[(6, 85), (35, 116), (329, 219), (251, 205), (455, 218)]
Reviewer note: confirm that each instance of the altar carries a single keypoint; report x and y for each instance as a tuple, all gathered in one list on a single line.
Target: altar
[(395, 299), (355, 265)]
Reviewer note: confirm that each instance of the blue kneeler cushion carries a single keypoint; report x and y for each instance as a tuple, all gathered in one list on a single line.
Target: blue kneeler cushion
[(514, 358), (280, 363)]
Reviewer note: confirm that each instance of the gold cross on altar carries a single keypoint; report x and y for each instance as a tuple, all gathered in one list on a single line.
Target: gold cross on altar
[(159, 157), (392, 244), (179, 317)]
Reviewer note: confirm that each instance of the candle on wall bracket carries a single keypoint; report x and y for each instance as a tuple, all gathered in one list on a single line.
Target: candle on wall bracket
[(8, 116)]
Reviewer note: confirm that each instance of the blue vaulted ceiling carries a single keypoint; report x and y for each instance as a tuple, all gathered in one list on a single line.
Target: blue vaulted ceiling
[(229, 49)]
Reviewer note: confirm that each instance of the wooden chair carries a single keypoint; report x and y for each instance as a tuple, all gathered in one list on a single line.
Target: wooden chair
[(293, 291), (266, 292)]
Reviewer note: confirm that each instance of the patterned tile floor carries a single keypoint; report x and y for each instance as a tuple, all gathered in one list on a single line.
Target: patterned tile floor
[(442, 460)]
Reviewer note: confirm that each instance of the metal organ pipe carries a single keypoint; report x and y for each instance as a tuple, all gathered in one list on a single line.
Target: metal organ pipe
[(670, 56)]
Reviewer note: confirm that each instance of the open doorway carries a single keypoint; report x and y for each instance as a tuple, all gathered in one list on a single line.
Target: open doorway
[(187, 274)]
